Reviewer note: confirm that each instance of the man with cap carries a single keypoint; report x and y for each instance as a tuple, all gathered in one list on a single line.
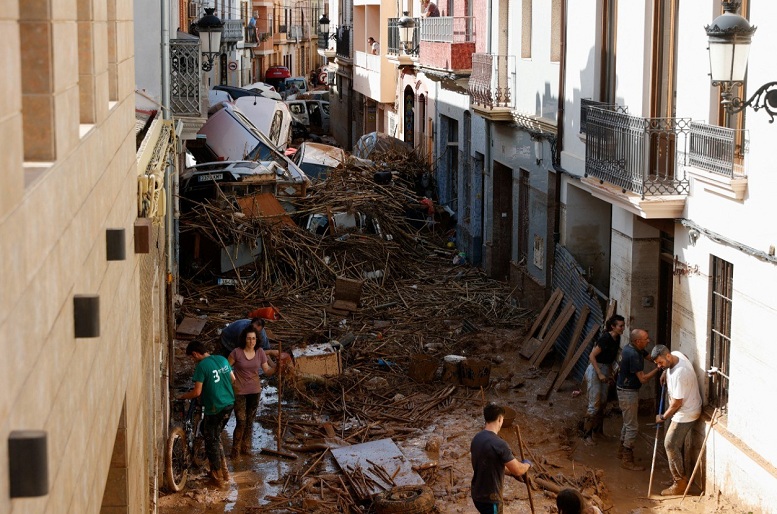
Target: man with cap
[(684, 409)]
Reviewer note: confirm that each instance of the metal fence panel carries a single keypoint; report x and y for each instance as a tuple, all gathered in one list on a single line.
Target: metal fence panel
[(185, 77)]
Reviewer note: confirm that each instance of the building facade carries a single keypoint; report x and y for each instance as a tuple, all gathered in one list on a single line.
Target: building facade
[(84, 305)]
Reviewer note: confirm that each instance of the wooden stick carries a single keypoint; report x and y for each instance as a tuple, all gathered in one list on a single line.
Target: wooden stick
[(701, 452), (520, 449)]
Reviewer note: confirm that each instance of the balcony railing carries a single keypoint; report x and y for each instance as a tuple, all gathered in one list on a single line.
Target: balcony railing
[(492, 83), (344, 42), (233, 31), (447, 29), (644, 155), (395, 44), (296, 32), (585, 103), (185, 77), (718, 150)]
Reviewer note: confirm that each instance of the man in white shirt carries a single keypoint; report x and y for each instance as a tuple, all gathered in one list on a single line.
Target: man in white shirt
[(684, 409), (374, 46)]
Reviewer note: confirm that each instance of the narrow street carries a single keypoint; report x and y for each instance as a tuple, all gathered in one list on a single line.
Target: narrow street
[(420, 307)]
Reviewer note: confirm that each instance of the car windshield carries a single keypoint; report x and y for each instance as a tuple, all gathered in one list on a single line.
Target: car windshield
[(314, 171)]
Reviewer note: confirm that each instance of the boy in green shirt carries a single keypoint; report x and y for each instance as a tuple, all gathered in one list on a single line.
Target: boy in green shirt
[(213, 380)]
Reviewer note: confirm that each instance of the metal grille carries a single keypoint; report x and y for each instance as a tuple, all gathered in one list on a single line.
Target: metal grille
[(323, 40), (720, 329), (233, 31), (447, 29), (395, 43), (585, 103), (492, 83), (642, 155), (343, 48), (715, 149), (185, 77)]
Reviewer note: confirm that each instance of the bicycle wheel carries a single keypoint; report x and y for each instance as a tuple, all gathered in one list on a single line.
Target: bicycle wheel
[(176, 460)]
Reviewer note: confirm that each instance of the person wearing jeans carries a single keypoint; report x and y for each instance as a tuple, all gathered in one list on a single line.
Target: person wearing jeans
[(684, 409), (213, 380), (598, 376), (631, 376)]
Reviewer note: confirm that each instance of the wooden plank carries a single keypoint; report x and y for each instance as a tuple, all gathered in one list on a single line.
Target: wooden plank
[(553, 308), (190, 327), (544, 312), (528, 348), (579, 327), (612, 309), (544, 390), (555, 331), (579, 353)]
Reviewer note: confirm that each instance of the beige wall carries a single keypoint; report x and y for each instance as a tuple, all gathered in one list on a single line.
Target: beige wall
[(53, 218)]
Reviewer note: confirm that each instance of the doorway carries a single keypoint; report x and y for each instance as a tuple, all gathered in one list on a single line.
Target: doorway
[(501, 237)]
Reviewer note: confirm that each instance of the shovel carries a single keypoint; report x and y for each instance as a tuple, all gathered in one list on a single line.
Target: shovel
[(655, 444)]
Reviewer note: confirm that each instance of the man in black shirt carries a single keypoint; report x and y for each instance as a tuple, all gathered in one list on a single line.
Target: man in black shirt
[(491, 458), (599, 375)]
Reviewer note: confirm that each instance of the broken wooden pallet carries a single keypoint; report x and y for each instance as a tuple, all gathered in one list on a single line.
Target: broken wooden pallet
[(554, 332), (576, 333), (573, 361), (531, 343), (544, 390)]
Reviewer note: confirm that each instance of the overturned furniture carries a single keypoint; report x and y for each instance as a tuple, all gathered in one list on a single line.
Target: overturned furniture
[(346, 296)]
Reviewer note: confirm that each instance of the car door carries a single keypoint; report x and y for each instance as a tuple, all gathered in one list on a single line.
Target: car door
[(299, 111), (315, 115), (325, 116)]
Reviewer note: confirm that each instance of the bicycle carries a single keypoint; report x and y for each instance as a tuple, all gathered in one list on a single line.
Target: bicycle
[(185, 446)]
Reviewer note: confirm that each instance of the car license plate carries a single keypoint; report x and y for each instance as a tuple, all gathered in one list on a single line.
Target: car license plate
[(210, 177)]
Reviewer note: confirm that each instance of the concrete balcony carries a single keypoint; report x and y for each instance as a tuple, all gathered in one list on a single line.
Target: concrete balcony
[(447, 43), (492, 86), (374, 77)]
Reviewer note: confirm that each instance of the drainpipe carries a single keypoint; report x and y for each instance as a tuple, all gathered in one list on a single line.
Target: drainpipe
[(488, 165), (556, 158)]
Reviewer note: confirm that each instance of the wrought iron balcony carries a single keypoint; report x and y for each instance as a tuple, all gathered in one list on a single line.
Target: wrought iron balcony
[(585, 103), (323, 40), (492, 85), (344, 42), (646, 156), (447, 29), (395, 44), (719, 150), (296, 32), (233, 31), (185, 77), (250, 37)]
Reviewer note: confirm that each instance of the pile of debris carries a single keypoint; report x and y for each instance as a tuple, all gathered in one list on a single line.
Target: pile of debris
[(413, 305)]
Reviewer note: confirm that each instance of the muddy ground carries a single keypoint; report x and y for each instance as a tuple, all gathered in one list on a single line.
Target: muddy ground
[(548, 429)]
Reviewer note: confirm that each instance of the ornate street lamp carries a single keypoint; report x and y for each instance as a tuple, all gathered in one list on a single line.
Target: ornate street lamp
[(406, 25), (209, 29), (729, 45), (323, 23)]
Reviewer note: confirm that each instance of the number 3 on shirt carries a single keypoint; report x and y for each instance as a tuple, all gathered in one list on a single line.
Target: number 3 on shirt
[(216, 376)]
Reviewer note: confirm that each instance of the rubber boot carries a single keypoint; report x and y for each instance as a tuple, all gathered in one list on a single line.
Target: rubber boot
[(248, 437), (237, 437), (676, 489), (627, 462), (588, 428), (620, 449)]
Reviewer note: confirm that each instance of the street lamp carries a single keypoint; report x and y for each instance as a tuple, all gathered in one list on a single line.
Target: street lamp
[(209, 29), (406, 25), (729, 46), (323, 23)]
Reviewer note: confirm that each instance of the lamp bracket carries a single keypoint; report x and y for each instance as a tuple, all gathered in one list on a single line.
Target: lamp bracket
[(765, 98)]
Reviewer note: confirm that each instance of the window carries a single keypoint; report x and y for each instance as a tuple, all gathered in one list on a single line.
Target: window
[(721, 293)]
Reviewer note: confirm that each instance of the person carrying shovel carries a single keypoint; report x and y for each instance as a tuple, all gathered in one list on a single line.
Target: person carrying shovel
[(491, 459), (684, 409)]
